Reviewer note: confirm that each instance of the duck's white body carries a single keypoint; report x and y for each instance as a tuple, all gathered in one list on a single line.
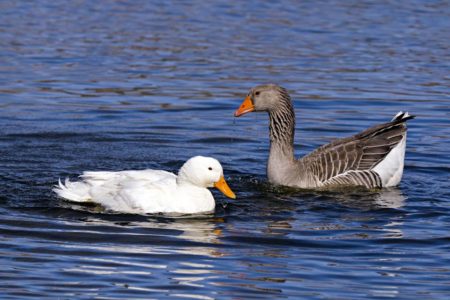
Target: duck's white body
[(145, 191), (148, 191)]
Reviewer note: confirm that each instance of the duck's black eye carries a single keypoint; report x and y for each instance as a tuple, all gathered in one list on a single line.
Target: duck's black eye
[(210, 168), (257, 93)]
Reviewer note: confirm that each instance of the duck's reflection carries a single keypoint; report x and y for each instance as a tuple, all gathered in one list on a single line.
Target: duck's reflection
[(195, 236), (178, 249)]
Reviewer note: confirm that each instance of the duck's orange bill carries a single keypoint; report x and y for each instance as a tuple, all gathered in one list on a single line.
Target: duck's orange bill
[(246, 107), (222, 186)]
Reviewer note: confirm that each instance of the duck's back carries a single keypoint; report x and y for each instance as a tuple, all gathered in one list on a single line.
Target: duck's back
[(127, 191), (150, 175)]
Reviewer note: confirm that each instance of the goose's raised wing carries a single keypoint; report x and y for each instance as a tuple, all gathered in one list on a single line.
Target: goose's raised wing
[(350, 161)]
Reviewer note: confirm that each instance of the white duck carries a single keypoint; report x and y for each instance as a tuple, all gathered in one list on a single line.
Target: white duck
[(151, 191)]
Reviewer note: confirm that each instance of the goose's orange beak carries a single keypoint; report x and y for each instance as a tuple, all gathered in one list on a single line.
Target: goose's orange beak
[(222, 186), (246, 107)]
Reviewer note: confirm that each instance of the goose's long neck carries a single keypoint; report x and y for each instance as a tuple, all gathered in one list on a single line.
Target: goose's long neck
[(281, 130)]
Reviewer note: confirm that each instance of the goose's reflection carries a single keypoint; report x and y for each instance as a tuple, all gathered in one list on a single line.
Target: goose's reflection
[(359, 198), (390, 198), (369, 200)]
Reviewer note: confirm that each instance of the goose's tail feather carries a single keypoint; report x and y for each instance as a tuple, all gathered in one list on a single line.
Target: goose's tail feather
[(402, 117), (73, 191)]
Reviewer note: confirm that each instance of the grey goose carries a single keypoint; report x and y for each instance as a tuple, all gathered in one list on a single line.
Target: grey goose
[(373, 158)]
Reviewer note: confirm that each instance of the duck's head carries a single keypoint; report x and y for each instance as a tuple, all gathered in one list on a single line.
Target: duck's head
[(205, 172), (267, 97)]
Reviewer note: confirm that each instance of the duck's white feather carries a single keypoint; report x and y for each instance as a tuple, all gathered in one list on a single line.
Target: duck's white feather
[(73, 191), (145, 191)]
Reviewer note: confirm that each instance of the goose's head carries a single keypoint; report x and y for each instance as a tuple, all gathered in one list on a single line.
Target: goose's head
[(267, 97), (205, 172)]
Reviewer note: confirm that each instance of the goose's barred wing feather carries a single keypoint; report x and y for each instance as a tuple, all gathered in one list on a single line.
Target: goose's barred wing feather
[(332, 163), (366, 178)]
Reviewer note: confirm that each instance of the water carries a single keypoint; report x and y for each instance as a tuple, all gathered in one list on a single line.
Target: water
[(113, 85)]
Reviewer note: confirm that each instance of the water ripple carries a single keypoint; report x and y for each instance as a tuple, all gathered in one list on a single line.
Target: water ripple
[(109, 85)]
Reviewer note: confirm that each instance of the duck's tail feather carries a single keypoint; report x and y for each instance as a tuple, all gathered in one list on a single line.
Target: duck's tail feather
[(73, 191)]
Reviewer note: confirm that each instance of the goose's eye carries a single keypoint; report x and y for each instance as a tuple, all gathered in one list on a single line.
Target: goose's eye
[(257, 93), (210, 168)]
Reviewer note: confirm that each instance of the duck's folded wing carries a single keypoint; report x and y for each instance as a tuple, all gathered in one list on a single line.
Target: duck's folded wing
[(100, 177), (146, 196), (128, 191), (350, 160)]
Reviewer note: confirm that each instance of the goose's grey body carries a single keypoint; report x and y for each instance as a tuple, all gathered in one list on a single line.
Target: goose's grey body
[(373, 158)]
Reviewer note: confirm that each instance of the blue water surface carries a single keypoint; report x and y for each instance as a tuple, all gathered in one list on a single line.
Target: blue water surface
[(114, 85)]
